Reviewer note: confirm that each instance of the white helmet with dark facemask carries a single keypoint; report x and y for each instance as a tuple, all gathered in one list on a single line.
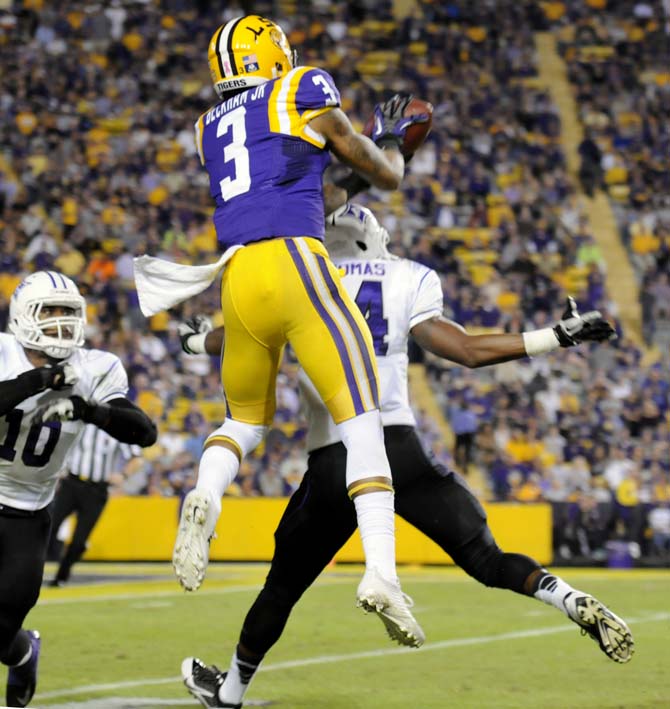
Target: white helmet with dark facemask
[(352, 231), (36, 328)]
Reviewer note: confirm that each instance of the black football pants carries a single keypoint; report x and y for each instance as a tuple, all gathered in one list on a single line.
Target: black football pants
[(320, 518), (23, 545)]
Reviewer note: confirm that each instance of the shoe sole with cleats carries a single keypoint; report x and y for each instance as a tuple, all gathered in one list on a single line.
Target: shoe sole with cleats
[(396, 629), (386, 599), (606, 628), (191, 549)]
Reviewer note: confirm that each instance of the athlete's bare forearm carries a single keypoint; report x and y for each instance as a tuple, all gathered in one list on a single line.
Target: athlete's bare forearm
[(214, 341), (382, 168), (450, 341)]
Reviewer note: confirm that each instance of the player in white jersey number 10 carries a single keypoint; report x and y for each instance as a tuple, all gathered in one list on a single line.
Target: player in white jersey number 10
[(50, 387), (398, 297)]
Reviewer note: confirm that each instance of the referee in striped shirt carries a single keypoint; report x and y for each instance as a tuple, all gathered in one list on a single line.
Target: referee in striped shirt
[(92, 462)]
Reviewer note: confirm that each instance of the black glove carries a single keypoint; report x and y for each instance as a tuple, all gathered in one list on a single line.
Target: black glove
[(390, 123), (57, 376), (196, 325), (574, 328), (73, 408)]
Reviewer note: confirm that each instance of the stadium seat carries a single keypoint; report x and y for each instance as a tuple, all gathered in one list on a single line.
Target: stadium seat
[(553, 10), (508, 301), (8, 283), (616, 175)]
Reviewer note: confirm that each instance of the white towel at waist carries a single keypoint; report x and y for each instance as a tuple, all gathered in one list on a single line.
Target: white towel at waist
[(163, 284)]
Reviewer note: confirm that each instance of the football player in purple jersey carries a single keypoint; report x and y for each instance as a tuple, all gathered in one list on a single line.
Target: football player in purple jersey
[(265, 146)]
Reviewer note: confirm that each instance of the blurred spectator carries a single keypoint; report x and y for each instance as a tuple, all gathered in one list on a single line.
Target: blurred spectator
[(587, 529), (464, 423), (194, 419), (270, 481), (590, 171), (659, 524), (70, 261)]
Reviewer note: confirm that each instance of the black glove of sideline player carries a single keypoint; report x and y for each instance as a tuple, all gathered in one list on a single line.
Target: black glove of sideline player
[(196, 325), (574, 328)]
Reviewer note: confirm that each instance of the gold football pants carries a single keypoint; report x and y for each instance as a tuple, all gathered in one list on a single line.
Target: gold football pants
[(288, 290)]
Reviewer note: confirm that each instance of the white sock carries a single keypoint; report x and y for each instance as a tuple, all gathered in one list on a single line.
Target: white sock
[(363, 436), (218, 468), (377, 528), (237, 680), (553, 591)]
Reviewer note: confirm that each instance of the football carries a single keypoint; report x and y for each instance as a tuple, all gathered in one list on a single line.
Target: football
[(415, 134)]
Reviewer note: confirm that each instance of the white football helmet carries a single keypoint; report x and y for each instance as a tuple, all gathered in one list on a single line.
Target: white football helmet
[(56, 336), (352, 231)]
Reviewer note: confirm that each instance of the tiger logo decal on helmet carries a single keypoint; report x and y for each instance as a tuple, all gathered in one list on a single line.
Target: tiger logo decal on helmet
[(248, 51)]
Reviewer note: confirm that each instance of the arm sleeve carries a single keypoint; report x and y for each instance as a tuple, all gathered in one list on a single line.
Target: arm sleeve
[(429, 301), (14, 391), (122, 420), (105, 404)]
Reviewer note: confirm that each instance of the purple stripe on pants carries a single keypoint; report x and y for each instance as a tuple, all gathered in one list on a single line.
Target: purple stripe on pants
[(330, 324), (369, 369)]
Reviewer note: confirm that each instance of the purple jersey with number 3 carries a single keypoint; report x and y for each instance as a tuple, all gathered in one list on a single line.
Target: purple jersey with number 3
[(265, 163)]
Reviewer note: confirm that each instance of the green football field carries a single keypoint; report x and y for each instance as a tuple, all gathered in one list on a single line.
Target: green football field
[(116, 636)]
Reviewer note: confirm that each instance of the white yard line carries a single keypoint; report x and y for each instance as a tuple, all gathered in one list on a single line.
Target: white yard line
[(330, 659)]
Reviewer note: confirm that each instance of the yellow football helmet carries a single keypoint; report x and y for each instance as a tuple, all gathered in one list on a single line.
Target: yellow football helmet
[(248, 51)]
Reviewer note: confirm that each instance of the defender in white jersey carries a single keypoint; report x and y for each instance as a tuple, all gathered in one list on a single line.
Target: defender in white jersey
[(397, 297), (394, 295), (50, 387)]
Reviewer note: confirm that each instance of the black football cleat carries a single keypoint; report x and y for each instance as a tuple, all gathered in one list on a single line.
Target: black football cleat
[(22, 680), (203, 682)]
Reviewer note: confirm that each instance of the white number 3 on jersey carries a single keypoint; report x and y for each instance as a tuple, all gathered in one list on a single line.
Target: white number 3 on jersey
[(318, 80)]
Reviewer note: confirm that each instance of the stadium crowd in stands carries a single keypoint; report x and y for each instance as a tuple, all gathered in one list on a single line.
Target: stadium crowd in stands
[(618, 59), (99, 164)]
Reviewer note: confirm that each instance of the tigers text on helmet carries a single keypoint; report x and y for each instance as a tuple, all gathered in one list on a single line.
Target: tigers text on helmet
[(56, 336), (352, 231), (248, 51)]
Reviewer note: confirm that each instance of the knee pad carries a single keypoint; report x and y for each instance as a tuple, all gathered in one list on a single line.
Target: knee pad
[(363, 437), (244, 436)]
